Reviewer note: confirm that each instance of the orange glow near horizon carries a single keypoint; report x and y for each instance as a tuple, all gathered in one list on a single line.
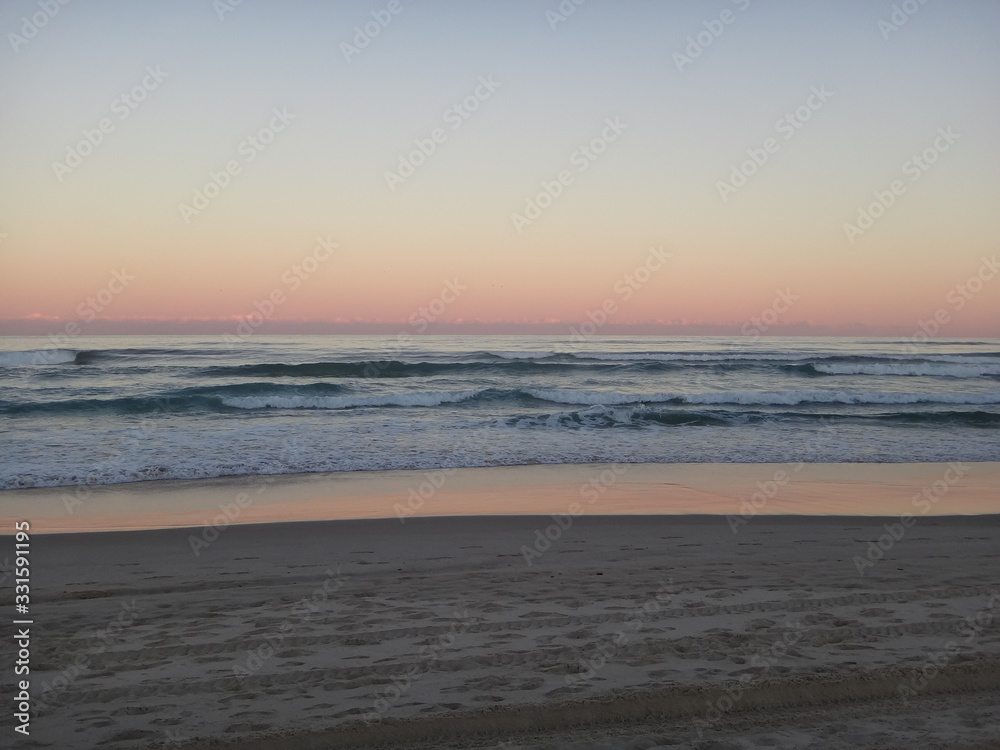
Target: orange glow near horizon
[(586, 222)]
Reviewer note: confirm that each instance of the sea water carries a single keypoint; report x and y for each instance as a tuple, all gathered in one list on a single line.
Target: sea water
[(130, 408)]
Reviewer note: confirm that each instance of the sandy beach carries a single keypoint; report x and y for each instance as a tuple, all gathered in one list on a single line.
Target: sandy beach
[(587, 631), (554, 375), (743, 490)]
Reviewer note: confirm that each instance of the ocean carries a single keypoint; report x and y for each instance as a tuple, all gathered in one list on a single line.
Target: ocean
[(132, 408)]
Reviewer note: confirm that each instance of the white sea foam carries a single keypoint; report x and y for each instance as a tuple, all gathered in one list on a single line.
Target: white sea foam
[(156, 405), (937, 370), (761, 398), (789, 398), (348, 402), (37, 357), (753, 356), (596, 398), (521, 355), (690, 357)]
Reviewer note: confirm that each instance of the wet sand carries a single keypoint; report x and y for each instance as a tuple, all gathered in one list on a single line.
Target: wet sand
[(744, 490)]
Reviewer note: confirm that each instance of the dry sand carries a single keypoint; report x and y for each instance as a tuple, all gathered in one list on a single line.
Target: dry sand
[(625, 632)]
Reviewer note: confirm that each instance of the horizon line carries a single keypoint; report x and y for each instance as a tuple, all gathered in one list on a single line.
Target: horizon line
[(239, 329)]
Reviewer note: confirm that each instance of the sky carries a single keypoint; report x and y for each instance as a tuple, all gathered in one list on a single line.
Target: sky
[(505, 166)]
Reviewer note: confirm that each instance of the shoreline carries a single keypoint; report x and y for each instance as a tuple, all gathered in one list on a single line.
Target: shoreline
[(742, 491)]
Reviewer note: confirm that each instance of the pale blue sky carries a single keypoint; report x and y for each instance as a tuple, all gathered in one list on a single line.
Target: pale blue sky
[(686, 129)]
